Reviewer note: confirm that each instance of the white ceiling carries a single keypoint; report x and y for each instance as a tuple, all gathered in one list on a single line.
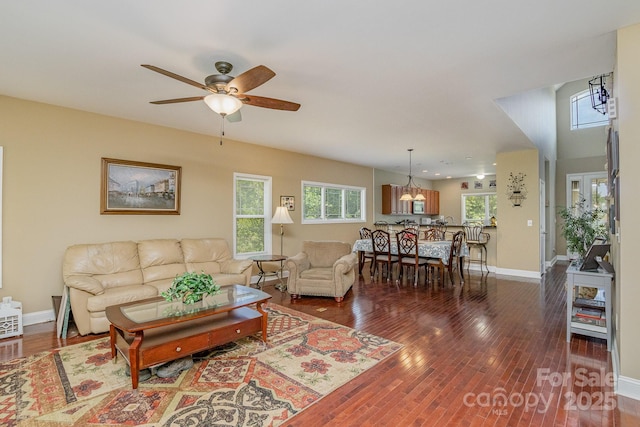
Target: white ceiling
[(374, 78)]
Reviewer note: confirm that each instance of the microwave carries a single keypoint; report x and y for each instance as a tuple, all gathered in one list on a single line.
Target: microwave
[(418, 207)]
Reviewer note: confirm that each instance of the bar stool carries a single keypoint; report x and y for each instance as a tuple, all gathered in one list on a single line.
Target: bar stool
[(477, 239)]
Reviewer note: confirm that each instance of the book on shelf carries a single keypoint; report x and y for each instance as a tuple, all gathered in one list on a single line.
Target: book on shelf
[(589, 313), (597, 325), (589, 303)]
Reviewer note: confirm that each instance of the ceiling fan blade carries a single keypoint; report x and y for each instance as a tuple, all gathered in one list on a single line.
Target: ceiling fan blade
[(250, 79), (177, 77), (276, 104), (235, 117), (174, 101)]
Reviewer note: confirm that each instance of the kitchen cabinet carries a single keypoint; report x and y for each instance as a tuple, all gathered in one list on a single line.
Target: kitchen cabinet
[(392, 205)]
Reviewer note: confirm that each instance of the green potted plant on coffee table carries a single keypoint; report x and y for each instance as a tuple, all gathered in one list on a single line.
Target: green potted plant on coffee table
[(191, 287)]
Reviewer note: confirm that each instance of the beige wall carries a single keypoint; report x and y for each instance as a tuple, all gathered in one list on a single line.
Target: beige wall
[(578, 143), (518, 244), (627, 91), (52, 159)]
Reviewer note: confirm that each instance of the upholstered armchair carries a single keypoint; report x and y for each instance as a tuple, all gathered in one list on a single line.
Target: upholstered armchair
[(323, 268)]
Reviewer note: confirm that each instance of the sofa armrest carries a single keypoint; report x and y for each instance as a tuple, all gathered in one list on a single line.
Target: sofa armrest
[(235, 266), (297, 264), (345, 263), (85, 283)]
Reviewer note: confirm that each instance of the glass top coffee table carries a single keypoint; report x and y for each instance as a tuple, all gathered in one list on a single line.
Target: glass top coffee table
[(154, 331)]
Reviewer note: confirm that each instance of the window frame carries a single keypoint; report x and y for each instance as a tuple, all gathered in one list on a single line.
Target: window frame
[(323, 215), (267, 180), (577, 124), (487, 213)]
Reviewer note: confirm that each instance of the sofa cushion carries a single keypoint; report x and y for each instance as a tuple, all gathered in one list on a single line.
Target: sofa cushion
[(160, 259), (119, 295), (325, 253), (317, 274), (229, 279), (112, 264), (205, 254)]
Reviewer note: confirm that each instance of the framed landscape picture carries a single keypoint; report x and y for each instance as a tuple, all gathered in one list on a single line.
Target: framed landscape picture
[(128, 187)]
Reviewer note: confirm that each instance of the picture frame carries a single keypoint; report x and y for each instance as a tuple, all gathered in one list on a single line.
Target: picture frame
[(612, 159), (464, 185), (138, 188), (289, 202), (492, 183), (478, 185)]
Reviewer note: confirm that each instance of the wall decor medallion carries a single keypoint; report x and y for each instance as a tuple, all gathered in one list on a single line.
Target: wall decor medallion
[(138, 188), (516, 190)]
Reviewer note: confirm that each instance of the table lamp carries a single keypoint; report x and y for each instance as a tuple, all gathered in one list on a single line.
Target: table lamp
[(281, 217)]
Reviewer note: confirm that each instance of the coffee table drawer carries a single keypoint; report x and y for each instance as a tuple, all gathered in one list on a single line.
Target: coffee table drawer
[(234, 332), (173, 342)]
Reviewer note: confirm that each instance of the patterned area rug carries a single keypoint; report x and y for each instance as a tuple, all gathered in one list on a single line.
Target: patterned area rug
[(245, 383)]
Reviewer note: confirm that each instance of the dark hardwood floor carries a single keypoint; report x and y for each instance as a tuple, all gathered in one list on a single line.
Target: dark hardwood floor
[(491, 352)]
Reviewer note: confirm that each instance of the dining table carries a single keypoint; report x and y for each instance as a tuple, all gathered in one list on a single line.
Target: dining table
[(426, 248)]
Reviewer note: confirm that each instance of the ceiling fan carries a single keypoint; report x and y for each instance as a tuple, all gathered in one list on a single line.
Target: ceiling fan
[(228, 94)]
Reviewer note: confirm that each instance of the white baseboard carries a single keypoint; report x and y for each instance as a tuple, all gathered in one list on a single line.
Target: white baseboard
[(38, 317), (254, 279), (629, 387), (519, 273)]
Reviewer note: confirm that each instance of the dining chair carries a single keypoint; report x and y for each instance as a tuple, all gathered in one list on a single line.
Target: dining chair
[(408, 255), (433, 234), (477, 239), (365, 233), (382, 252), (454, 262), (442, 229), (413, 227)]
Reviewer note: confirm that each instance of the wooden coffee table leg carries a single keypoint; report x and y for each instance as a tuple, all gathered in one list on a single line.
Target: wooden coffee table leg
[(112, 337), (133, 360), (265, 319)]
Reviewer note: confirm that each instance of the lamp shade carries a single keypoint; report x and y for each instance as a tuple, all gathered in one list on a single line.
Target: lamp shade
[(281, 216), (223, 104)]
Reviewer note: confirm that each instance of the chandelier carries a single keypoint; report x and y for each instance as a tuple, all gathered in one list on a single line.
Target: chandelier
[(411, 186)]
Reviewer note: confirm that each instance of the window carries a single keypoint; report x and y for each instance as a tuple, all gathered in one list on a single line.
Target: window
[(583, 115), (252, 215), (479, 207), (322, 203)]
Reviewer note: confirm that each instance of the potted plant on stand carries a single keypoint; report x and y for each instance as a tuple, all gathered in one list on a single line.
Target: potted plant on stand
[(581, 226)]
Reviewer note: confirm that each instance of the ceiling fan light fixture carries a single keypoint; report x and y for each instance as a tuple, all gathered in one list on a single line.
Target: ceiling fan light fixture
[(223, 104)]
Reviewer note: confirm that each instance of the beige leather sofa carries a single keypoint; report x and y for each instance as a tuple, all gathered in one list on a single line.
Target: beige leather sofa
[(104, 274), (323, 268)]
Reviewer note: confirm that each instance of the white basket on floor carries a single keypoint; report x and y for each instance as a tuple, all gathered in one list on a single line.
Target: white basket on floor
[(10, 319)]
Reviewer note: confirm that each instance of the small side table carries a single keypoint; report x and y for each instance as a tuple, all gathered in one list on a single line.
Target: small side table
[(259, 259)]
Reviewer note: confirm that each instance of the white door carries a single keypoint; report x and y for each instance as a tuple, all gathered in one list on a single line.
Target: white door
[(589, 188), (543, 228)]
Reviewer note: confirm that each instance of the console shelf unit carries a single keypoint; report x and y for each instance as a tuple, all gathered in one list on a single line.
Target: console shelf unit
[(601, 280)]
